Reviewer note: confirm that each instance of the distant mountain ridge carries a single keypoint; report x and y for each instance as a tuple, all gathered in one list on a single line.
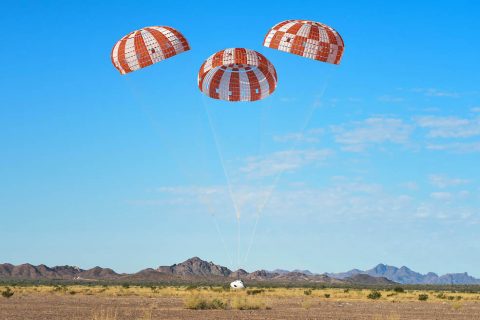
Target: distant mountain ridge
[(198, 270), (28, 271), (405, 275), (193, 270)]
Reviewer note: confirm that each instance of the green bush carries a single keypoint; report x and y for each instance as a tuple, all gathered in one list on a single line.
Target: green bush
[(7, 293), (374, 295), (423, 297), (199, 303), (253, 292), (307, 292), (242, 303), (399, 289), (327, 295)]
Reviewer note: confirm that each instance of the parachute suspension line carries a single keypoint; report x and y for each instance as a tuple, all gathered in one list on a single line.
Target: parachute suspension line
[(222, 162), (157, 129), (238, 243), (227, 178), (210, 209), (155, 125), (280, 174)]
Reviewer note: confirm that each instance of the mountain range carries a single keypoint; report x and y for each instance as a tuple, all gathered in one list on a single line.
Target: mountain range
[(196, 270), (405, 275)]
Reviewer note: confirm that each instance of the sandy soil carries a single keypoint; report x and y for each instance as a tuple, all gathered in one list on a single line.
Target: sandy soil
[(53, 307)]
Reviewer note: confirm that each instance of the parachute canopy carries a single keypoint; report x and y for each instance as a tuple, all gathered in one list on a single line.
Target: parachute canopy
[(237, 74), (306, 38), (144, 47)]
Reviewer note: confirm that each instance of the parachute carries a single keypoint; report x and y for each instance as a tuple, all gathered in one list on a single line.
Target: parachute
[(147, 46), (237, 74), (306, 38)]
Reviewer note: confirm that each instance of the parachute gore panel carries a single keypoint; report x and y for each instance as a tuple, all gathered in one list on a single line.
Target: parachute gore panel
[(147, 46), (237, 74), (306, 38)]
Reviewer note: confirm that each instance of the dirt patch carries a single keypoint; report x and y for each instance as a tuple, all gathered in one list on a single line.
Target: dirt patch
[(76, 307)]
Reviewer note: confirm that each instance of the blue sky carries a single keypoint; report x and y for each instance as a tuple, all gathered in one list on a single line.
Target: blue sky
[(375, 160)]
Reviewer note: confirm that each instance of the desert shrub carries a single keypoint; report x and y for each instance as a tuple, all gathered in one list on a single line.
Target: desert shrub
[(457, 305), (253, 292), (327, 295), (217, 304), (346, 290), (307, 304), (57, 288), (441, 295), (423, 297), (7, 293), (451, 298), (458, 297), (374, 295), (399, 289), (125, 286), (189, 288), (199, 303), (307, 292), (72, 292), (241, 303)]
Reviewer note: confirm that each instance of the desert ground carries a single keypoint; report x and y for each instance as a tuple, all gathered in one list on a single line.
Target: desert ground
[(153, 302)]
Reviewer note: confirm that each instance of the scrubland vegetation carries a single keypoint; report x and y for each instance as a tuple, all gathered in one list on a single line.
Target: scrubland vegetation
[(226, 295), (269, 300)]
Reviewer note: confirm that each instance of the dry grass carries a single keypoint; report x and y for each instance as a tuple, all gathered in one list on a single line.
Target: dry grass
[(247, 303), (198, 302), (104, 314), (256, 295), (112, 314)]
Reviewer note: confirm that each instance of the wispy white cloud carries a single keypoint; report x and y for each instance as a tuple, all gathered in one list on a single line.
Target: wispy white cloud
[(441, 195), (287, 99), (283, 161), (390, 99), (433, 92), (442, 181), (410, 185), (475, 109), (456, 147), (309, 136), (449, 127), (360, 135), (342, 199)]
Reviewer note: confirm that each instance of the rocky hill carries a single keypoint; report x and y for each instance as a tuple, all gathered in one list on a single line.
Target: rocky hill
[(196, 267), (405, 275), (42, 272), (197, 270)]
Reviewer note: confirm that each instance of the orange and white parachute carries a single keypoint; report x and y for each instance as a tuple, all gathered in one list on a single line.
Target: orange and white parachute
[(147, 46), (237, 74), (306, 38)]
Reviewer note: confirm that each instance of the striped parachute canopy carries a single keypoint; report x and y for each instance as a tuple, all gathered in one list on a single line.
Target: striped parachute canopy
[(306, 38), (147, 46), (237, 74)]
